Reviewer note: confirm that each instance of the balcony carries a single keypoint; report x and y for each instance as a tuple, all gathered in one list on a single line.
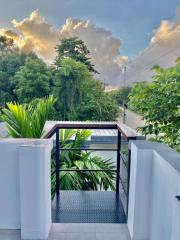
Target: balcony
[(147, 177), (107, 140)]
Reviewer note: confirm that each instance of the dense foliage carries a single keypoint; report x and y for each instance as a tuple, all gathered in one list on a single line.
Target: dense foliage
[(25, 78), (27, 121), (9, 65), (80, 96), (33, 80), (121, 95), (159, 104), (79, 160)]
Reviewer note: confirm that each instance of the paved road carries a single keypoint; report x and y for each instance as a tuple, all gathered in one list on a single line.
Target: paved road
[(132, 119)]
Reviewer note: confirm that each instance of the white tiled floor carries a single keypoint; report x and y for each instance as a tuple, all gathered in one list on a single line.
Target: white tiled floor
[(76, 231), (88, 231), (10, 235)]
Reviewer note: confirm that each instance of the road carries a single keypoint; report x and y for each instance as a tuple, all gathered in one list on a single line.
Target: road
[(132, 119)]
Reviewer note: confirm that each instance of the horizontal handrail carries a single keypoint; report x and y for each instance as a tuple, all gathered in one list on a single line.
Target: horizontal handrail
[(79, 125), (127, 132), (89, 149), (87, 170)]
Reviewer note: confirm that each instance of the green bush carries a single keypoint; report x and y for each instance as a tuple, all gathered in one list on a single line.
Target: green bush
[(159, 104)]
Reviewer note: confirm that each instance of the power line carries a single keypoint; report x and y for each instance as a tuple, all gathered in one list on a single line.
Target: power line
[(151, 47), (158, 41), (155, 61)]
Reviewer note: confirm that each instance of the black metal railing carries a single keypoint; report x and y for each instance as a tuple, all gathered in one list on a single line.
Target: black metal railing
[(178, 198), (123, 162)]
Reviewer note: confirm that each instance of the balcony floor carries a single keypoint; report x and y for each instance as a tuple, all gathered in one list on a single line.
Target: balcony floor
[(77, 231), (87, 207)]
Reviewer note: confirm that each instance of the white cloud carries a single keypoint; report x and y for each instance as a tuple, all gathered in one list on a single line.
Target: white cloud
[(163, 49), (103, 46), (38, 35)]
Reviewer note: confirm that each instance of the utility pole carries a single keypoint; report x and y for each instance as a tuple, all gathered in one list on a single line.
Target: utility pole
[(124, 103)]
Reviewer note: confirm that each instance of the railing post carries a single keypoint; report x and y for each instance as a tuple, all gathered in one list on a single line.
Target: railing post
[(57, 162), (118, 161)]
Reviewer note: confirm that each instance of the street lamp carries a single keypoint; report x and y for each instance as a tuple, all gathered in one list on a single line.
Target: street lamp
[(124, 111)]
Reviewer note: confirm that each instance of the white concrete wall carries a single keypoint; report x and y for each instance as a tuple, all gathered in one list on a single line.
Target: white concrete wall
[(9, 185), (154, 185), (25, 188)]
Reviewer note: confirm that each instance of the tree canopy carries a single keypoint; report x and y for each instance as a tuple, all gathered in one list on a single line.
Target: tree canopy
[(33, 80), (121, 95), (7, 46), (75, 49), (159, 104), (9, 65), (80, 96)]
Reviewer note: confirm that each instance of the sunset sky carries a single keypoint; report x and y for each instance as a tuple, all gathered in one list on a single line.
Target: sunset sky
[(116, 31)]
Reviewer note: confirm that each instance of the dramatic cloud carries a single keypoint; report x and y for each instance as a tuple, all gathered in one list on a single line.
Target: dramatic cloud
[(163, 50), (104, 48), (24, 44), (36, 34)]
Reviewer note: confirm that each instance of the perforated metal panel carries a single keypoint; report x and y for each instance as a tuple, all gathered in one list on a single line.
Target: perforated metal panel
[(87, 207)]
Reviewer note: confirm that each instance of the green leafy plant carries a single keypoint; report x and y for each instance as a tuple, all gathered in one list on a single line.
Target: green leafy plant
[(159, 104), (121, 95), (33, 80), (28, 120), (24, 77), (82, 160), (80, 96)]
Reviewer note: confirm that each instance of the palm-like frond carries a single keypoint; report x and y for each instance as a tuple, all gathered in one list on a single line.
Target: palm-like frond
[(40, 115), (27, 121), (17, 119)]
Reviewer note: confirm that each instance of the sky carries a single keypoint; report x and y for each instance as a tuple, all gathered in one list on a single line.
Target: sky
[(125, 27)]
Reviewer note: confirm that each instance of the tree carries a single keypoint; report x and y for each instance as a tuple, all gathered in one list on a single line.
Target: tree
[(74, 48), (159, 104), (9, 65), (121, 95), (69, 87), (7, 46), (33, 80), (79, 160), (137, 89), (96, 104), (79, 96), (27, 121)]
